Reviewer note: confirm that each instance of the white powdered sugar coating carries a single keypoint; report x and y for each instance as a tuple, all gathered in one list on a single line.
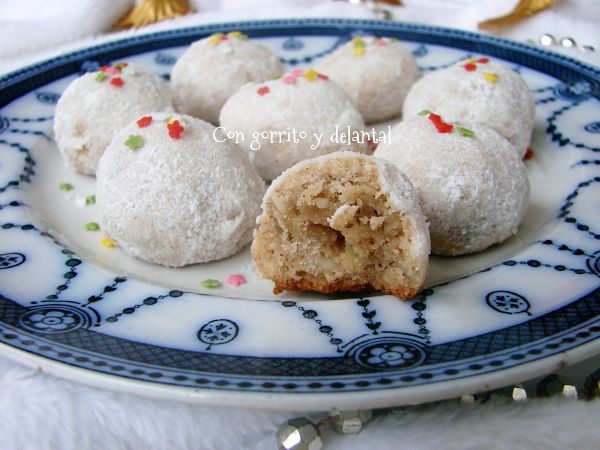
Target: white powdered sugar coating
[(474, 190), (378, 80), (315, 107), (89, 112), (206, 75), (177, 201), (506, 105)]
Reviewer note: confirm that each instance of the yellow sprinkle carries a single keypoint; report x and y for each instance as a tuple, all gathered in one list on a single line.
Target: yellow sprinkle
[(357, 40), (358, 51), (491, 77), (170, 120), (310, 75), (215, 39), (237, 35), (107, 242), (471, 60)]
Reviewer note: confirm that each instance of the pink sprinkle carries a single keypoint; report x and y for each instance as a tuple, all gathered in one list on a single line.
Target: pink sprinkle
[(111, 70), (379, 42), (288, 79), (235, 280), (296, 73)]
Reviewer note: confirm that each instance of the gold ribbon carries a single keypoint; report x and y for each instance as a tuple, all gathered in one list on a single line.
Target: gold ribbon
[(524, 9)]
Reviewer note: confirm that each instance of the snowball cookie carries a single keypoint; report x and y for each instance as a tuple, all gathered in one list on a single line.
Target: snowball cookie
[(212, 69), (297, 117), (481, 91), (376, 72), (472, 184), (342, 222), (98, 104), (170, 194)]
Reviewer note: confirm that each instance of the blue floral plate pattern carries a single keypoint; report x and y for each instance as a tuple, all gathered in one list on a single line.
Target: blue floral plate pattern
[(95, 315)]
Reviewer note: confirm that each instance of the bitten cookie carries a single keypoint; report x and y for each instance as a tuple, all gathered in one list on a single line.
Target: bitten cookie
[(478, 91), (376, 72), (98, 104), (299, 116), (472, 184), (342, 222), (213, 69), (169, 194)]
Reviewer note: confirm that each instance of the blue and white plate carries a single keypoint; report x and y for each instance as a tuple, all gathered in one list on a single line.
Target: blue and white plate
[(93, 314)]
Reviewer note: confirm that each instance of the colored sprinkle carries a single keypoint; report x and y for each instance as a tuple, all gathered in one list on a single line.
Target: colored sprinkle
[(263, 90), (65, 186), (483, 60), (288, 79), (91, 226), (120, 65), (144, 121), (111, 70), (296, 73), (175, 129), (529, 154), (216, 38), (491, 77), (235, 280), (101, 76), (322, 76), (310, 75), (103, 68), (117, 81), (358, 46), (358, 51), (440, 125), (425, 112), (134, 142), (471, 60), (210, 283), (465, 132), (380, 42), (107, 242), (90, 200), (470, 67), (237, 35)]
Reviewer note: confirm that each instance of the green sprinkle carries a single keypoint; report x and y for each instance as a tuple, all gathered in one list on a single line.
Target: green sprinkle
[(210, 283), (65, 186), (120, 65), (425, 112), (91, 226), (101, 76), (134, 142), (90, 200), (465, 132)]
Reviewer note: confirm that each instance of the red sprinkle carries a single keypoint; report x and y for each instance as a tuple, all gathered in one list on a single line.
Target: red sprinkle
[(263, 90), (144, 121), (483, 60), (175, 129), (103, 68), (117, 81), (470, 67), (529, 154), (440, 125), (322, 76)]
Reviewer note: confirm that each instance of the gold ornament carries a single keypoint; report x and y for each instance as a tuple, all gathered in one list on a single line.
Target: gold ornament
[(524, 9), (149, 11)]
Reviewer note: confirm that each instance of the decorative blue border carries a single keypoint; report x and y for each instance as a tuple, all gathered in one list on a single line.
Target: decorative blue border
[(563, 329)]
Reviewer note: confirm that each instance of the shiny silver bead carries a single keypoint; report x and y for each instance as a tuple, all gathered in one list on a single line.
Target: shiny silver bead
[(587, 48), (519, 393), (568, 42), (350, 422), (555, 384), (591, 385), (299, 434), (547, 40)]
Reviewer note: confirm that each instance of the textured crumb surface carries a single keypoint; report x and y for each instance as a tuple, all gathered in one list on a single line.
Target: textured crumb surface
[(331, 224), (317, 107), (90, 112), (493, 95), (377, 78), (206, 75), (177, 201), (474, 189)]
